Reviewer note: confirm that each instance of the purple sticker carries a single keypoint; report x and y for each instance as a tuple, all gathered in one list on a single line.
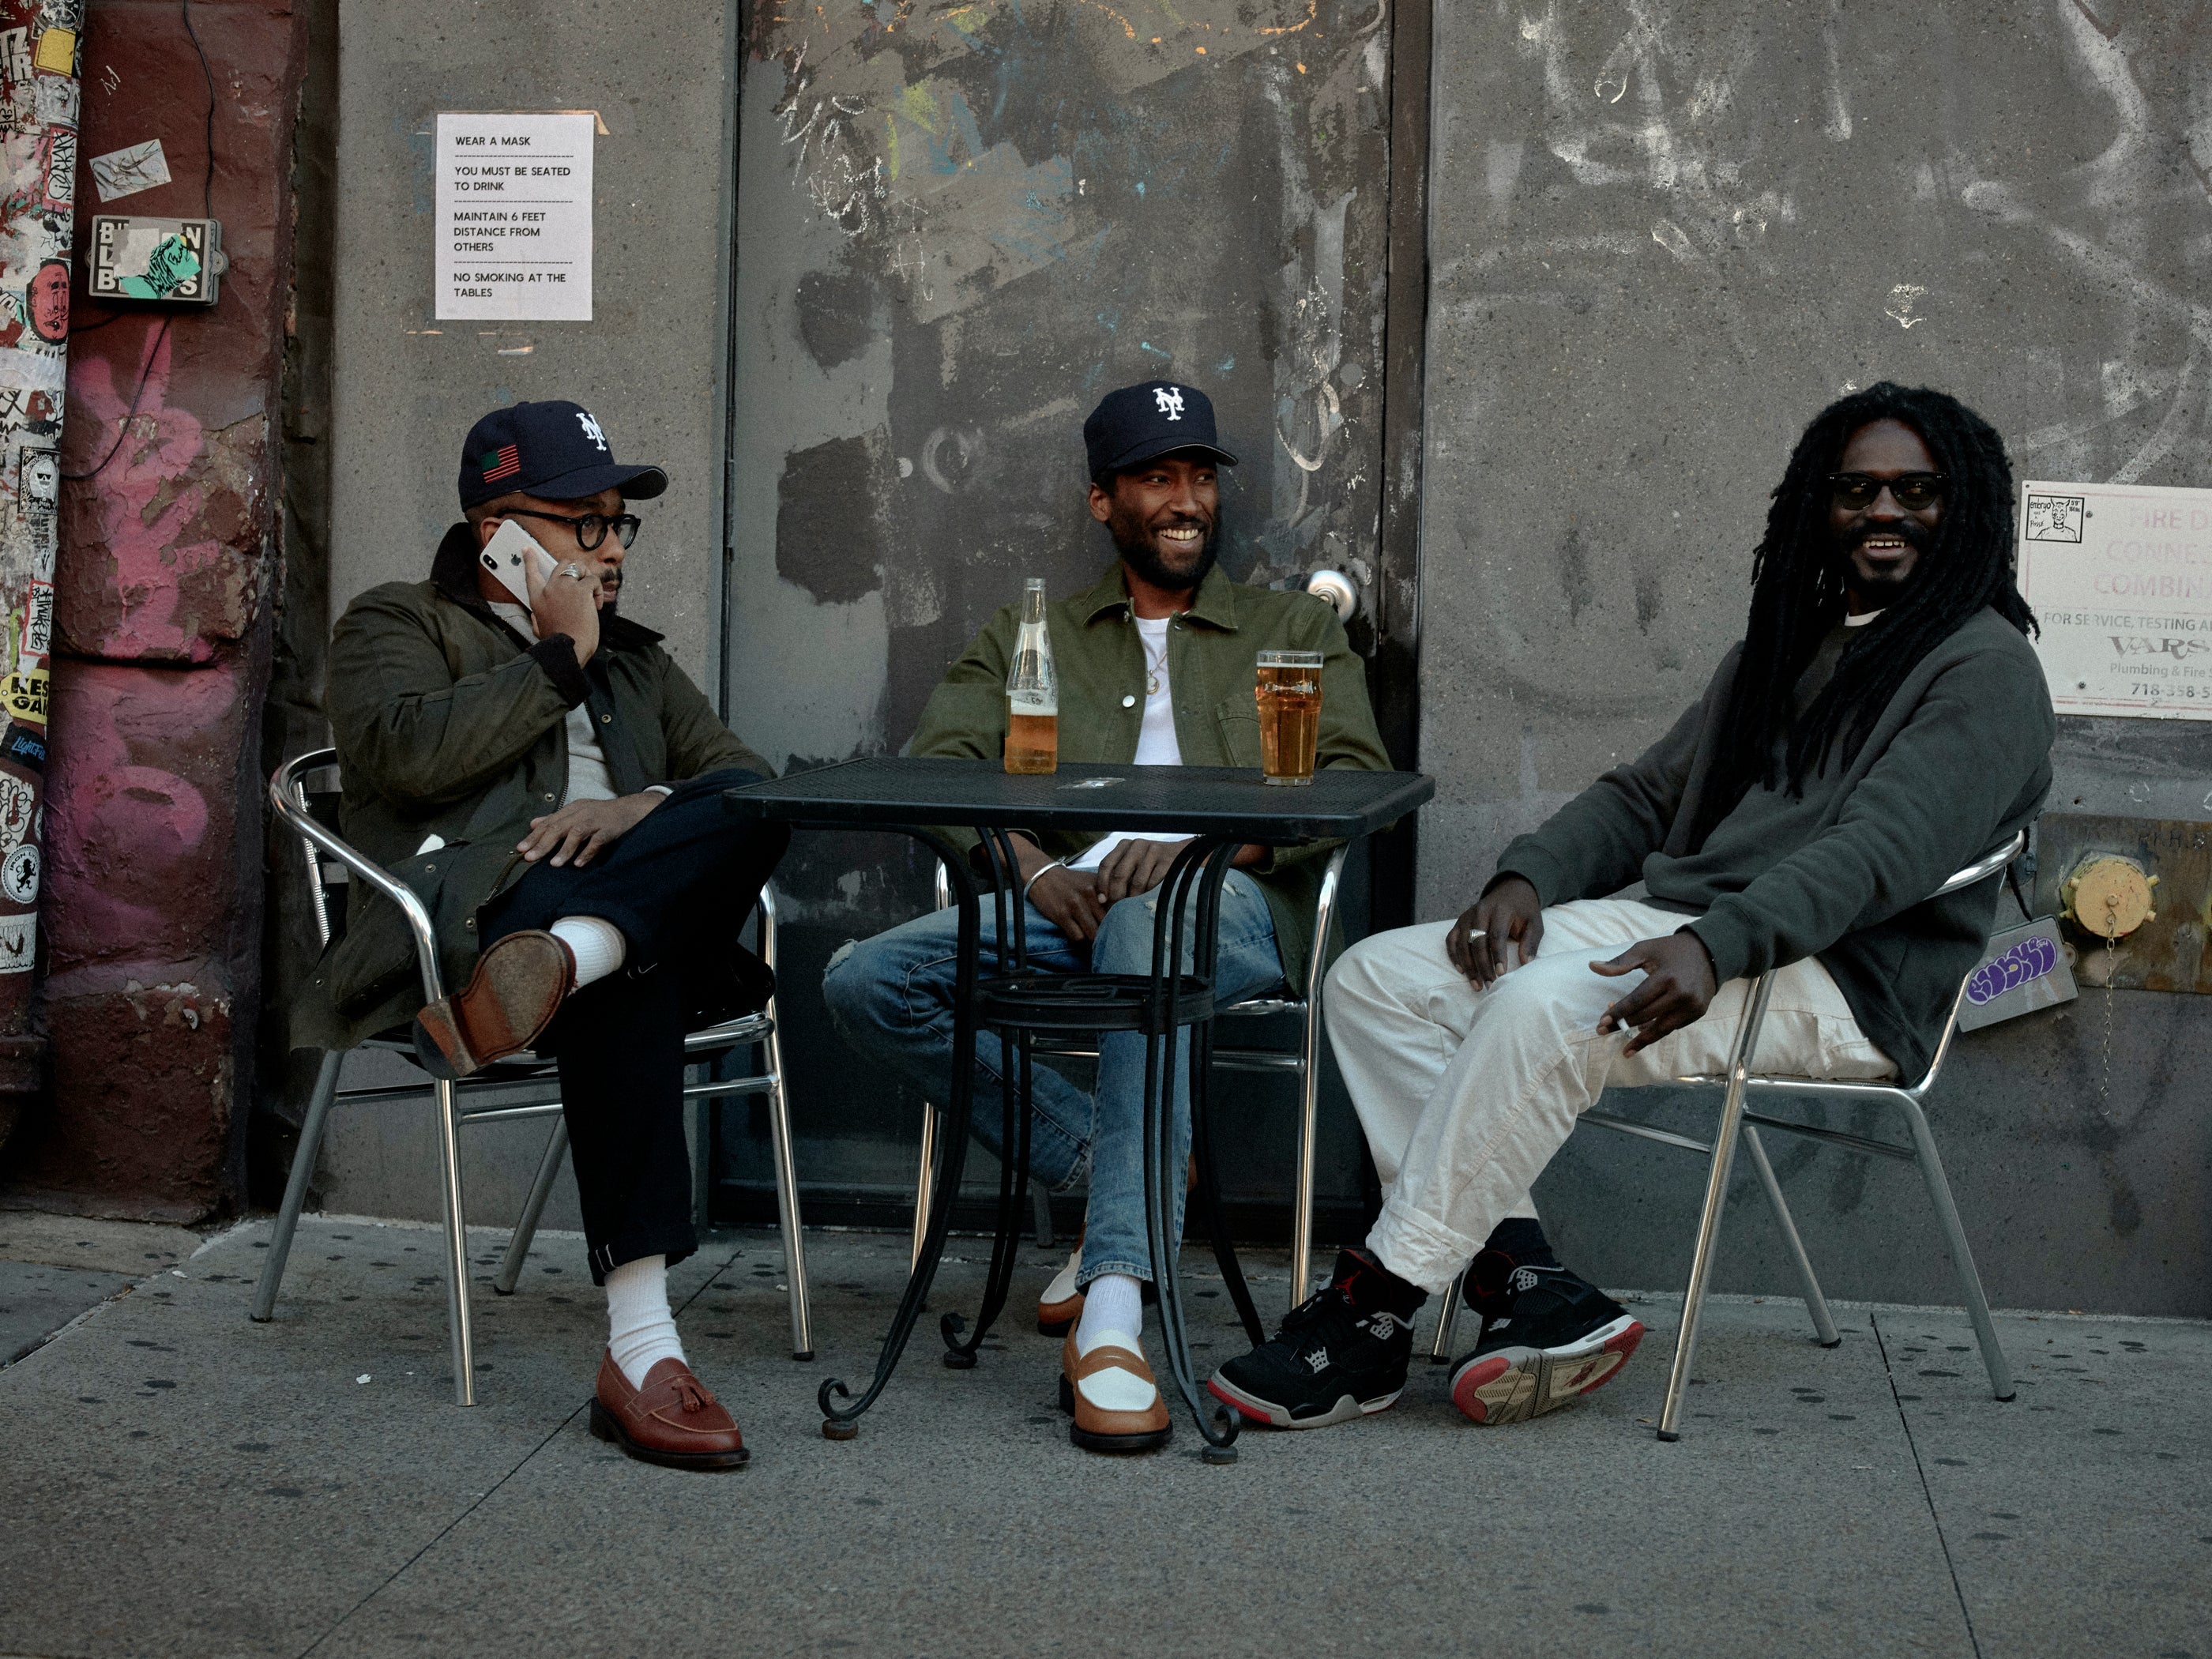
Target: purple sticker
[(2027, 961)]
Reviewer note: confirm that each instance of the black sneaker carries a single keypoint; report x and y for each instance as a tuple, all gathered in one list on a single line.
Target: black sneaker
[(1338, 1355), (1557, 1336)]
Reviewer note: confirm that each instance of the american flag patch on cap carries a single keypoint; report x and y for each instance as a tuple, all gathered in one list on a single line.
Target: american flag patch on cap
[(501, 463)]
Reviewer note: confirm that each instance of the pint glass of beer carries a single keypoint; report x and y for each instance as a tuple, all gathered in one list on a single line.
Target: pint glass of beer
[(1289, 695)]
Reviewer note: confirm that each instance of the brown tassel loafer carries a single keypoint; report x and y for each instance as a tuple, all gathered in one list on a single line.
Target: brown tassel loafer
[(672, 1420), (512, 997)]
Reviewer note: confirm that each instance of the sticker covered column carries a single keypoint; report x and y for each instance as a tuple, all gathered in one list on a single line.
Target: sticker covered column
[(514, 216)]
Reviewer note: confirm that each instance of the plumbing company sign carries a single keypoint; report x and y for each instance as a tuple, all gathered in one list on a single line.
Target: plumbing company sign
[(2120, 576)]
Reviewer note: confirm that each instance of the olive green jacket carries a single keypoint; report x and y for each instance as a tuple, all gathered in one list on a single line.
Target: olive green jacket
[(448, 723), (1100, 662)]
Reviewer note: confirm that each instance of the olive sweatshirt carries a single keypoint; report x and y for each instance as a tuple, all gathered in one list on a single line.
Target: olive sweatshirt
[(1958, 763)]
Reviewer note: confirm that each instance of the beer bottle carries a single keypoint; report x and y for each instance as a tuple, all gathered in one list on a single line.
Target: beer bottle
[(1032, 691)]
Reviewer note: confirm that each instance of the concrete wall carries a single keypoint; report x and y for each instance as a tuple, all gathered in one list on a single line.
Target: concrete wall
[(407, 387), (957, 227), (1662, 238)]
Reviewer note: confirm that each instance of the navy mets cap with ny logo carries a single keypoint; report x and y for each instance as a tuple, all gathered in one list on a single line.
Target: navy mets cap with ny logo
[(553, 450), (1141, 423)]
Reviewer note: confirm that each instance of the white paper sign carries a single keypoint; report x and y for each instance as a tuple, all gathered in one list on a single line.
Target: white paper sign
[(515, 218), (2120, 576)]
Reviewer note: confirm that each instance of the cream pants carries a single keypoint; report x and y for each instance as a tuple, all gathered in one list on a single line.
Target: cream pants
[(1465, 1095)]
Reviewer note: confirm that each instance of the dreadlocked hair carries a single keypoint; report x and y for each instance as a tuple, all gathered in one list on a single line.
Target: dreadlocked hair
[(1797, 594)]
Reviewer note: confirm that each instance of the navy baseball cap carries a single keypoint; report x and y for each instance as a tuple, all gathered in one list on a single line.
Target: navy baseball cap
[(1138, 422), (553, 450)]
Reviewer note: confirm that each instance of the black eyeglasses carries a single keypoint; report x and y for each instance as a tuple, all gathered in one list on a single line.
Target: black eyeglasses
[(1912, 490), (591, 529)]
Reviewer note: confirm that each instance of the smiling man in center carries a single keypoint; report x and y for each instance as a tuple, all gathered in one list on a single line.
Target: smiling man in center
[(1156, 663)]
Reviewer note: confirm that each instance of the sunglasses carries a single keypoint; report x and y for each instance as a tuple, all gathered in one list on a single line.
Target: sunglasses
[(1912, 490), (591, 529)]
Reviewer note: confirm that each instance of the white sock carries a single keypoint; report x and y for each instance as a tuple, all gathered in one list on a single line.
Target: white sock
[(598, 945), (640, 1331), (1113, 1311)]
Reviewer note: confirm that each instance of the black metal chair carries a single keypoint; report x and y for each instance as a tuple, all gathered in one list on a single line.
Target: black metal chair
[(305, 792)]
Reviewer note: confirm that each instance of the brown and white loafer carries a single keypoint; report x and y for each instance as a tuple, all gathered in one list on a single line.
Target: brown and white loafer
[(672, 1420), (511, 997), (1061, 1304), (1110, 1394)]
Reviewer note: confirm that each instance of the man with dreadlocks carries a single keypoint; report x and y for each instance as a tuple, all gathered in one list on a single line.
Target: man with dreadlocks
[(1883, 723)]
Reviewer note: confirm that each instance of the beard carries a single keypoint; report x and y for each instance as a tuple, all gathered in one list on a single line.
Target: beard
[(1134, 542), (1887, 586)]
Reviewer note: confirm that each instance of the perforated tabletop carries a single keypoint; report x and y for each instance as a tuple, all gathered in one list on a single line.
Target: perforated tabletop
[(1192, 800)]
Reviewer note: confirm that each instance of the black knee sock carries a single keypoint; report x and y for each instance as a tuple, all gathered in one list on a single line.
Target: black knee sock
[(1522, 1238)]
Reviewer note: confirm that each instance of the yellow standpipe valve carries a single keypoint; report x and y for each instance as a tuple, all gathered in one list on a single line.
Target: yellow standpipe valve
[(2109, 896)]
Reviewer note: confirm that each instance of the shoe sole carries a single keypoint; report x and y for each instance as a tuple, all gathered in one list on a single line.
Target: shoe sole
[(1514, 1384), (1276, 1417), (508, 979), (1054, 1326), (1152, 1440), (605, 1427)]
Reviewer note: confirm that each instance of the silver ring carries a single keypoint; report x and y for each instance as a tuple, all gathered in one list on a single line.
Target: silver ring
[(571, 568)]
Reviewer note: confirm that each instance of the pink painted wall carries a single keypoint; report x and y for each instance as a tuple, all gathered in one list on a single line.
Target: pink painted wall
[(154, 830)]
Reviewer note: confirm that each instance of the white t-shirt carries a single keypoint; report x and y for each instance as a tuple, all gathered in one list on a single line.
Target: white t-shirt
[(1156, 740), (588, 777)]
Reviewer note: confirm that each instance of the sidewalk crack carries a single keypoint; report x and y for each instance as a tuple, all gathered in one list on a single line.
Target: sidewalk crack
[(438, 1537), (1874, 1322)]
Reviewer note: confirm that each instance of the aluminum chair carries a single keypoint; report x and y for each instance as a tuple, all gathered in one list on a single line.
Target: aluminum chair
[(1738, 1123), (305, 792), (1304, 1063)]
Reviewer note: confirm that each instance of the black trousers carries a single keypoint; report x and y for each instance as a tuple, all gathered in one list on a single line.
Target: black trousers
[(679, 886)]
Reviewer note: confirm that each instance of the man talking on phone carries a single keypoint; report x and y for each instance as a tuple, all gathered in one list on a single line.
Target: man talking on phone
[(535, 767)]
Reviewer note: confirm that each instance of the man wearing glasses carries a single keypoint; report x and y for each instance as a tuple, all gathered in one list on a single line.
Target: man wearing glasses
[(1884, 722), (549, 781)]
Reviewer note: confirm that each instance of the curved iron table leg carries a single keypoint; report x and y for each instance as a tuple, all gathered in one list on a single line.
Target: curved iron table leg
[(1011, 909), (842, 1422), (1201, 866)]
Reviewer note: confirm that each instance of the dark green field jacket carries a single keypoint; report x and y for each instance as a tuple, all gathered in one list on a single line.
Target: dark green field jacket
[(1959, 761), (450, 724), (1100, 661)]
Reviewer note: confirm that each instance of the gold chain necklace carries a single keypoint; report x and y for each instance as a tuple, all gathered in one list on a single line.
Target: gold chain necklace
[(1154, 670)]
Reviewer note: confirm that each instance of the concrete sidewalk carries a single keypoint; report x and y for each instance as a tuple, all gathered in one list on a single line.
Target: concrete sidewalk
[(180, 1481)]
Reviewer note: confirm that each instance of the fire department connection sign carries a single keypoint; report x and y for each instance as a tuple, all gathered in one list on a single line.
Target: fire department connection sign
[(515, 218), (2120, 576)]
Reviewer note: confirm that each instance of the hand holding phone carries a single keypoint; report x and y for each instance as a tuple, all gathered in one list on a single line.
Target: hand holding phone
[(516, 562)]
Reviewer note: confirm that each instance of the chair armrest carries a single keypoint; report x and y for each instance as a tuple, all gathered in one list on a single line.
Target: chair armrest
[(284, 795)]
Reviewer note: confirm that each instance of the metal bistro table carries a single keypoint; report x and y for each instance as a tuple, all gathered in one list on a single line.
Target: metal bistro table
[(1220, 809)]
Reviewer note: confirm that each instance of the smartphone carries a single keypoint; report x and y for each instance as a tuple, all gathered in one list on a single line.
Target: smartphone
[(513, 552)]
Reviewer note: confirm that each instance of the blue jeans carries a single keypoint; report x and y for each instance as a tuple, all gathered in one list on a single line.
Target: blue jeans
[(891, 999)]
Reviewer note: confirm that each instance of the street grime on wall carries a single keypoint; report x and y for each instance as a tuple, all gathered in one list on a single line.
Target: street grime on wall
[(40, 48), (959, 225)]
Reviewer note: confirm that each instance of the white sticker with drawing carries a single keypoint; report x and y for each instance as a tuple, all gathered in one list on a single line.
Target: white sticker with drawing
[(127, 170), (19, 875), (19, 943), (16, 797)]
